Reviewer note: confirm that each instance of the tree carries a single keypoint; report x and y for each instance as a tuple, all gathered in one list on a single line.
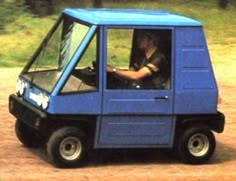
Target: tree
[(9, 11), (41, 7), (46, 7), (223, 3), (97, 3)]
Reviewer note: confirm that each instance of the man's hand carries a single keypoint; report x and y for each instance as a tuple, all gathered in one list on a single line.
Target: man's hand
[(109, 68)]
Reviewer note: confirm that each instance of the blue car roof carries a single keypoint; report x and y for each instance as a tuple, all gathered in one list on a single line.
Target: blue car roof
[(130, 17)]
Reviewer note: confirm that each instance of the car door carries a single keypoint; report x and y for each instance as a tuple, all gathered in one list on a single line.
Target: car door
[(136, 117)]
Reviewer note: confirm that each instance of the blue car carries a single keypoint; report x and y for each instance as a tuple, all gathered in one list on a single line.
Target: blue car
[(87, 86)]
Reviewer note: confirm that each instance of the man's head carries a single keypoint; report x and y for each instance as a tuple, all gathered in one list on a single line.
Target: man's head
[(147, 38)]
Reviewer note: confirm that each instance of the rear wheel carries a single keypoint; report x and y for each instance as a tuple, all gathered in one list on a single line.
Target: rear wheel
[(67, 147), (196, 145), (27, 136)]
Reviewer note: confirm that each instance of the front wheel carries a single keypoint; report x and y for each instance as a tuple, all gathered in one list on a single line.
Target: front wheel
[(196, 145), (67, 147)]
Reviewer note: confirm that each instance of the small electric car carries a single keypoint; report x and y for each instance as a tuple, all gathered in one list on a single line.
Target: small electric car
[(67, 100)]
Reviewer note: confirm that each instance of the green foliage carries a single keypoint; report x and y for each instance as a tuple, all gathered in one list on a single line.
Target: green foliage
[(9, 11), (21, 31), (119, 46)]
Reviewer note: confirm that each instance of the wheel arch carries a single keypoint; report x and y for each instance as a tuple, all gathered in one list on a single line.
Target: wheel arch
[(214, 122), (86, 123)]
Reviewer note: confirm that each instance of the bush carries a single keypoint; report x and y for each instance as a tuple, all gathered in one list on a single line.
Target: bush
[(41, 7), (9, 11)]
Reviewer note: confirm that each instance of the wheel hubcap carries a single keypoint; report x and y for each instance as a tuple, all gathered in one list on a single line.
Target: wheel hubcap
[(70, 148), (198, 145)]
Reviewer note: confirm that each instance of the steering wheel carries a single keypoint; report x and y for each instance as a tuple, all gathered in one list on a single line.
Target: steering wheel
[(94, 65), (116, 82), (113, 81)]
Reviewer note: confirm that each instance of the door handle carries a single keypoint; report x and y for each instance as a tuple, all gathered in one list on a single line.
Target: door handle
[(162, 98)]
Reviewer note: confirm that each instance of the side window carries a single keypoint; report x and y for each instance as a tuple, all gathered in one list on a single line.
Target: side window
[(131, 50), (119, 45), (84, 75)]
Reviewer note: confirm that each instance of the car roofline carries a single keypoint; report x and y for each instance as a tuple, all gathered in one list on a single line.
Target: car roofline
[(104, 16)]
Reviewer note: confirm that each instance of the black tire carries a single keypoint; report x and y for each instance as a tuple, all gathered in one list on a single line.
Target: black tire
[(27, 136), (67, 147), (196, 145)]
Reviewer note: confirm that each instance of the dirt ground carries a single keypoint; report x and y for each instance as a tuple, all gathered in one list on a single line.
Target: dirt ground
[(20, 163)]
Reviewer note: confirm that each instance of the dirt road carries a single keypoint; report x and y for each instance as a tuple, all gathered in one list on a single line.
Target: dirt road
[(20, 163)]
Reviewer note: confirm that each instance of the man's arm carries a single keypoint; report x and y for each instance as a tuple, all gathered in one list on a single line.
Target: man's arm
[(134, 75)]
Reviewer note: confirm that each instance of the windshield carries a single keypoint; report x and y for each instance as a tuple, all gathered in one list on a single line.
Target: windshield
[(55, 52)]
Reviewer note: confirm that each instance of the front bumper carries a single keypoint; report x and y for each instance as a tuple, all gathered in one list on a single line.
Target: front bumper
[(25, 112)]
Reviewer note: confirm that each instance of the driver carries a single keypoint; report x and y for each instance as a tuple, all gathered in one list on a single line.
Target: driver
[(150, 71)]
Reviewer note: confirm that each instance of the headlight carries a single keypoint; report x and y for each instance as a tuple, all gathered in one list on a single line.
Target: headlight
[(41, 99), (44, 100), (20, 87)]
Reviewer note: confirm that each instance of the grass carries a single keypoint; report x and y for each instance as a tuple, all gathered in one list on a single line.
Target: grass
[(22, 35), (21, 38)]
